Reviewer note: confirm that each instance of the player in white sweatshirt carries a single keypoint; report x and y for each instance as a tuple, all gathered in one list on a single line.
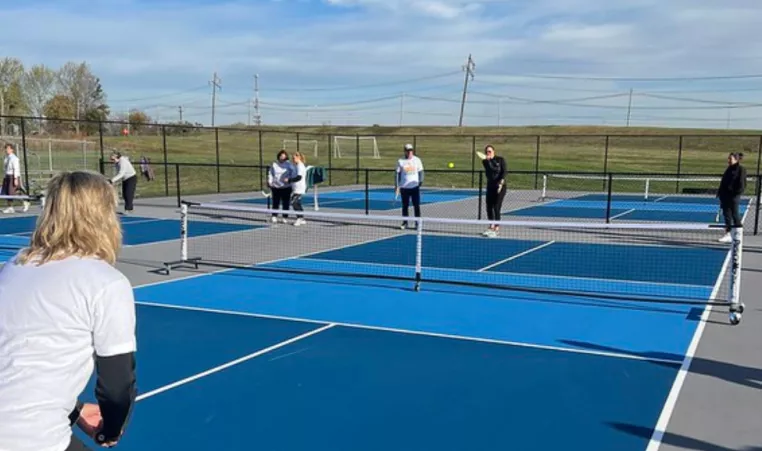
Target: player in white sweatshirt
[(279, 179), (299, 184)]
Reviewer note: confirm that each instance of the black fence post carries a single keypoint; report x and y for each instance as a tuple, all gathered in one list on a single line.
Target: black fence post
[(101, 166), (26, 160), (367, 192), (473, 160), (261, 164), (357, 158), (481, 184), (166, 163), (217, 150), (608, 198), (679, 163), (537, 161), (606, 159), (757, 192), (177, 183), (759, 153)]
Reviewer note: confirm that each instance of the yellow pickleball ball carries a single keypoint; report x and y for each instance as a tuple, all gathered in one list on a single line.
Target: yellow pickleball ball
[(450, 165)]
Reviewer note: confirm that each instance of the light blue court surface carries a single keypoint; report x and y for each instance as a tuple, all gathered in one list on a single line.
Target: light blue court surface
[(137, 230), (659, 208), (244, 359), (378, 198)]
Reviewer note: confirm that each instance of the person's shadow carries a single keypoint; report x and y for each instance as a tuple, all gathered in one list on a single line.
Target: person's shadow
[(737, 374), (677, 440)]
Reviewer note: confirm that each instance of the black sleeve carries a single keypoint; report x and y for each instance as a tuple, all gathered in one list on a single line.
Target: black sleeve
[(74, 415), (295, 179), (116, 391)]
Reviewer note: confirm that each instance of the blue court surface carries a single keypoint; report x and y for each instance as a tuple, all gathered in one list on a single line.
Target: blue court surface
[(136, 230), (633, 208), (242, 359), (378, 198)]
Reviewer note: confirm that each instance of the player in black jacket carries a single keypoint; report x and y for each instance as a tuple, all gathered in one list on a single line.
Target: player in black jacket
[(495, 169), (731, 188)]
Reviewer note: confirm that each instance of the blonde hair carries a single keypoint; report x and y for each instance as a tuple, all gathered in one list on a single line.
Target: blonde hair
[(79, 220), (301, 157)]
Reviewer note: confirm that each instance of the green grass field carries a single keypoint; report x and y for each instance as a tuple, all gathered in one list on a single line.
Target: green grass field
[(547, 149)]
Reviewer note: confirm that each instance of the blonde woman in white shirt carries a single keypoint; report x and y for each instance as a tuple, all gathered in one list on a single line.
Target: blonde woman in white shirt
[(299, 186), (66, 311), (12, 178)]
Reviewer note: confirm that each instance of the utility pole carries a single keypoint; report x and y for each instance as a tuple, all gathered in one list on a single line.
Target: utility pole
[(257, 115), (180, 109), (215, 83), (469, 69), (629, 108)]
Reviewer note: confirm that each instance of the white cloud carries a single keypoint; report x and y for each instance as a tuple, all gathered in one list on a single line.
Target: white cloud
[(147, 49)]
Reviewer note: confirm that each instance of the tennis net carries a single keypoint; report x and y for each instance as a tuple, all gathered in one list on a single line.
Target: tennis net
[(678, 263), (19, 203), (646, 187)]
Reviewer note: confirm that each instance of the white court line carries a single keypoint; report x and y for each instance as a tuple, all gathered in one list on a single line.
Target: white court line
[(674, 392), (622, 214), (620, 355), (661, 198), (514, 257), (232, 363)]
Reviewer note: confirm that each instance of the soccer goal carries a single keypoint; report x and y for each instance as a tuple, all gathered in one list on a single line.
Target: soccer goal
[(348, 145), (303, 145)]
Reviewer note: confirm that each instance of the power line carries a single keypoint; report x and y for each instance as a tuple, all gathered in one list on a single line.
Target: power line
[(375, 85)]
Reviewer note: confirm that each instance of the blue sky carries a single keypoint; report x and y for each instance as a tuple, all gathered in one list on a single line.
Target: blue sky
[(356, 61)]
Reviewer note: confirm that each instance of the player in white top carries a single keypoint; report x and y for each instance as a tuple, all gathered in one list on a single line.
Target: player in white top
[(65, 310), (407, 182), (128, 176), (299, 186), (12, 178)]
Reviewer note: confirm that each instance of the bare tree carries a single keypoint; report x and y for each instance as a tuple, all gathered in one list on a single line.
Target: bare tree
[(77, 82), (11, 71), (39, 87)]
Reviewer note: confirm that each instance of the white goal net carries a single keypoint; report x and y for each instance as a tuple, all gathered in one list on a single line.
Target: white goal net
[(302, 145), (350, 145)]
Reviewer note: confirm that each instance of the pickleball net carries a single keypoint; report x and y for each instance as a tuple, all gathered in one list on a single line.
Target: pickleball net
[(560, 185), (682, 263), (19, 203)]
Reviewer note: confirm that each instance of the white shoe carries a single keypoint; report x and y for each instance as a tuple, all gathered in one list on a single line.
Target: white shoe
[(491, 234), (726, 239), (26, 206), (274, 219), (9, 210), (299, 221), (284, 220)]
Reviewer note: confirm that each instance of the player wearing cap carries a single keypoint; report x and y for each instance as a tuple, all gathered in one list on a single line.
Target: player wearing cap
[(408, 181), (65, 310), (12, 178)]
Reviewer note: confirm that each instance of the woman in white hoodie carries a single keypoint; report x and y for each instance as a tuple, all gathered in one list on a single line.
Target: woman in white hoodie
[(279, 179), (299, 184)]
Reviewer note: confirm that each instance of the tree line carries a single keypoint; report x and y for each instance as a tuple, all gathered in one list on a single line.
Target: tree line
[(70, 98)]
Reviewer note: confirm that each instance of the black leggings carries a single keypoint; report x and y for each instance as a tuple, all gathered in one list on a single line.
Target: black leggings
[(409, 194), (495, 201), (296, 202), (129, 186), (730, 210), (281, 196)]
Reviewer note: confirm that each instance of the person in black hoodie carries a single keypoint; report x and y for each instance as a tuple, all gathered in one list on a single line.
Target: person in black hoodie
[(495, 169), (731, 188)]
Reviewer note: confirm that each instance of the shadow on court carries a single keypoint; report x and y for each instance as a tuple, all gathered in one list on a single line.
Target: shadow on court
[(677, 440), (729, 372)]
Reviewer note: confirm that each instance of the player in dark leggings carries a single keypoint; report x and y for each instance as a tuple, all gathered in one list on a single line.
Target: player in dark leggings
[(731, 188), (495, 168)]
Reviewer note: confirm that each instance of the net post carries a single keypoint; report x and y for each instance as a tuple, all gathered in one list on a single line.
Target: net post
[(316, 206), (736, 254), (367, 193), (757, 203), (418, 253), (648, 186), (544, 187), (608, 198), (184, 232)]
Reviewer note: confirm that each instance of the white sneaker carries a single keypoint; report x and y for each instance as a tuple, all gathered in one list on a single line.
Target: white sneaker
[(491, 234), (726, 238), (26, 206), (9, 210), (274, 219), (299, 221), (284, 220)]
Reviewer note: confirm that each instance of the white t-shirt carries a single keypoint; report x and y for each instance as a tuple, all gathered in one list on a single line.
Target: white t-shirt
[(53, 318), (300, 187), (409, 168), (12, 165), (124, 170)]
